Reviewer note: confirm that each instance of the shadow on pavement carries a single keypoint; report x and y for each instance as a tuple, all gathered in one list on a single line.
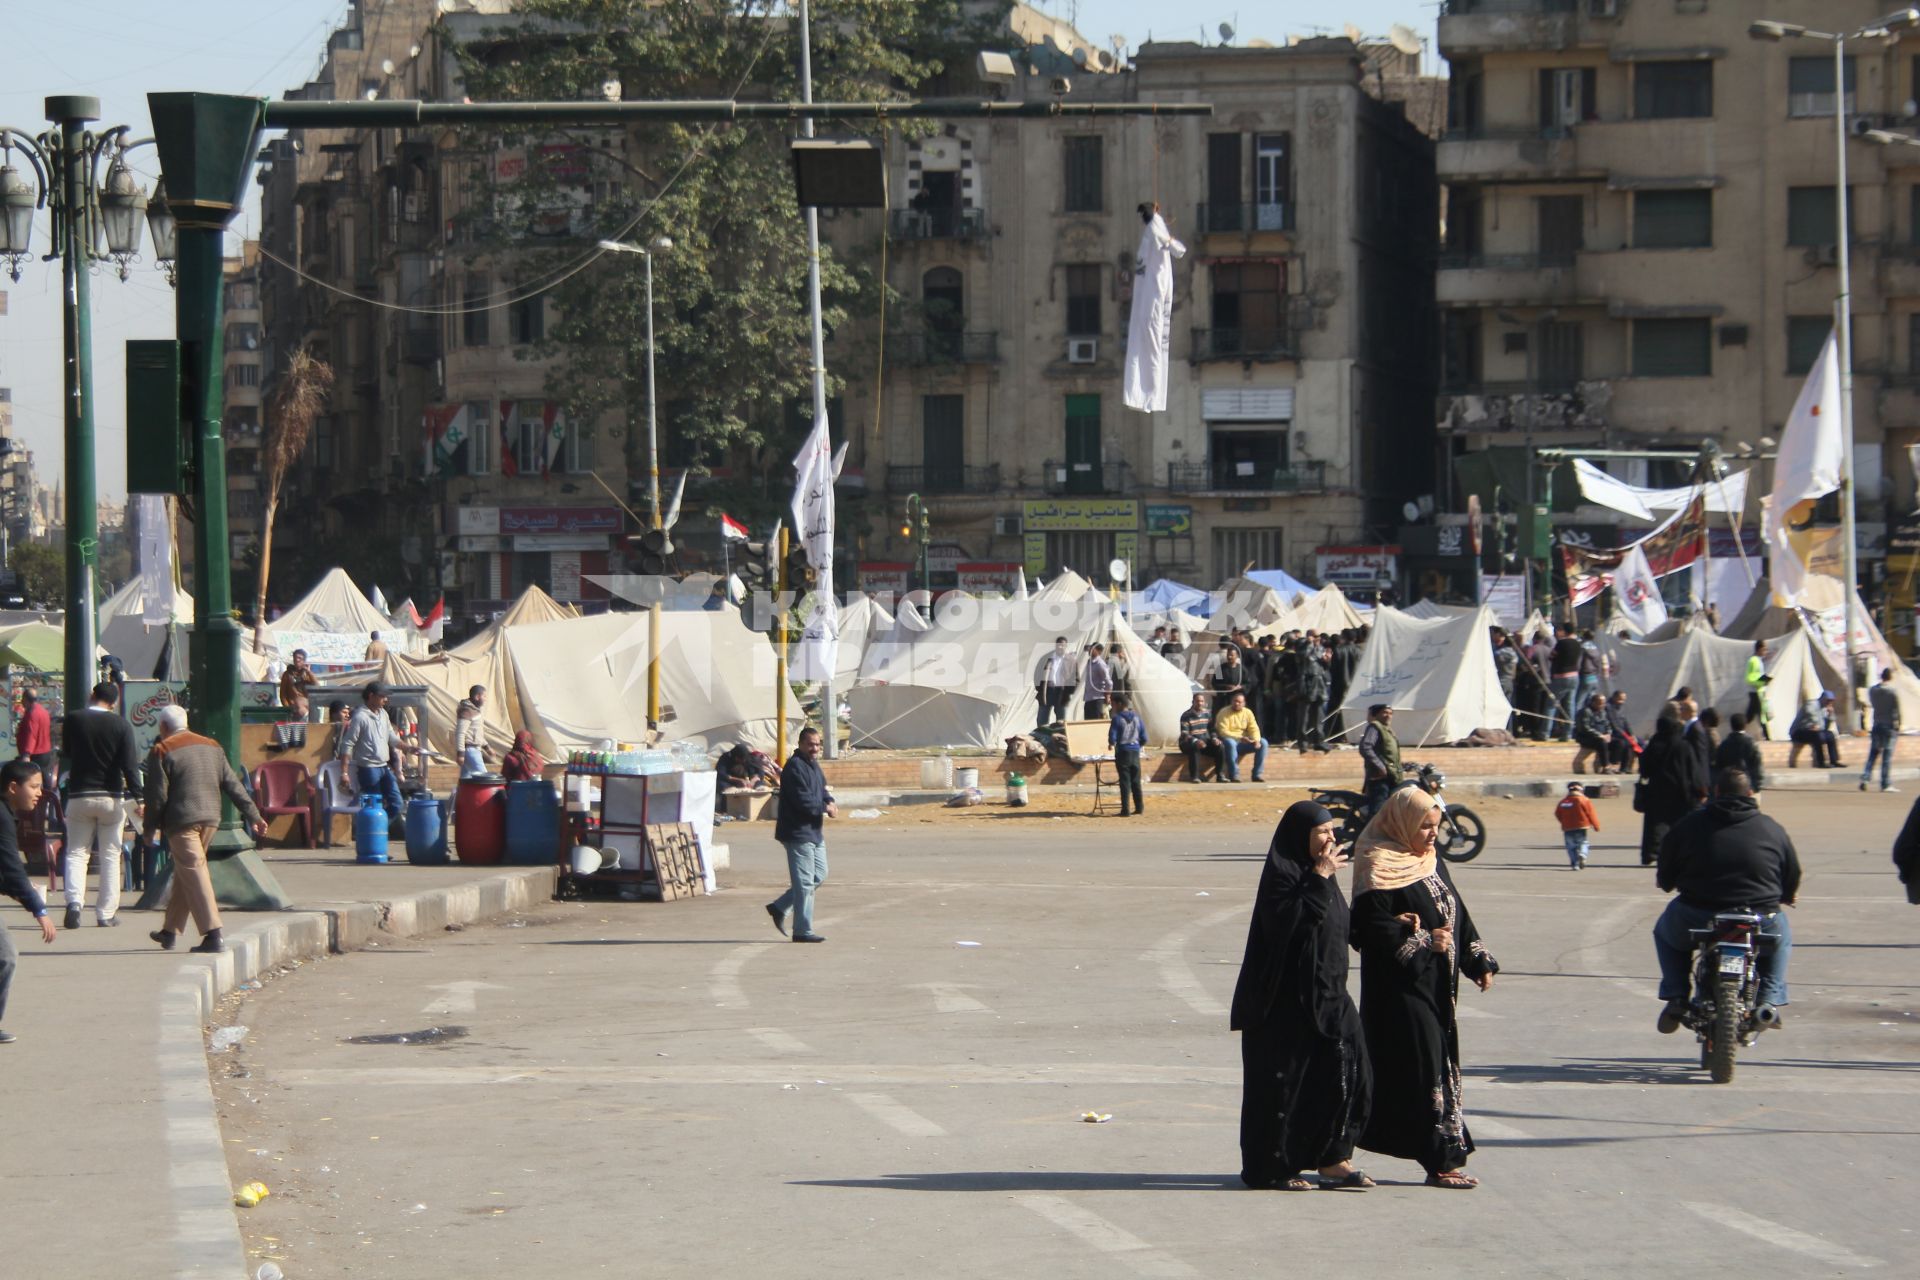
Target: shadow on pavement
[(1050, 1180), (1595, 1071), (652, 942)]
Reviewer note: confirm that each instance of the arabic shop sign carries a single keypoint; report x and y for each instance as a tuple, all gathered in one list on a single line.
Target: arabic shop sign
[(1168, 519), (568, 520), (1358, 566), (1082, 515)]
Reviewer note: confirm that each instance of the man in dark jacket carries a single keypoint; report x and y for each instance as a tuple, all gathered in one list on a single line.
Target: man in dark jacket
[(187, 774), (20, 787), (1724, 856), (1379, 756), (103, 771), (1740, 751), (804, 801), (1906, 854)]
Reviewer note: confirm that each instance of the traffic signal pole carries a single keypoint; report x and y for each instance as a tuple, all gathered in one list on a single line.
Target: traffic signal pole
[(780, 651)]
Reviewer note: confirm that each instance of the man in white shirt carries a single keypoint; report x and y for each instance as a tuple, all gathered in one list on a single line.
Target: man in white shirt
[(1055, 678)]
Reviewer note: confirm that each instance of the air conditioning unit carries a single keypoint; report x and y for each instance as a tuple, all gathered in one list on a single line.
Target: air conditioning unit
[(1083, 350), (1007, 527), (1823, 255)]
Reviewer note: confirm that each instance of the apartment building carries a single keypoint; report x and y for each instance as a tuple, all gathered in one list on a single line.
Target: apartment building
[(1641, 243), (243, 368), (1297, 414)]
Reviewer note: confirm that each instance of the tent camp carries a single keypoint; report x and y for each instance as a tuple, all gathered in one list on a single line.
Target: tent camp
[(582, 680), (533, 605), (1437, 674), (1150, 603), (1245, 602), (1822, 616), (125, 634), (1715, 668), (35, 645), (864, 622), (334, 622)]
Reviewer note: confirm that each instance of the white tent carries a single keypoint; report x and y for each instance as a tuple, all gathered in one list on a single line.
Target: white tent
[(1822, 618), (864, 622), (1715, 668), (1437, 674), (334, 623), (1242, 602), (584, 679), (125, 634), (1429, 609), (533, 605)]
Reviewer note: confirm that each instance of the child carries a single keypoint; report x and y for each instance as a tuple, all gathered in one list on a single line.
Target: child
[(1576, 819)]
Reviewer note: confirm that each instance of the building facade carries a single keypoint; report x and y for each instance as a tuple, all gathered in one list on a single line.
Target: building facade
[(1641, 242), (243, 367)]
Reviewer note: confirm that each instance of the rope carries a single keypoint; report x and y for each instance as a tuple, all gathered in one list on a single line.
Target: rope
[(1156, 155)]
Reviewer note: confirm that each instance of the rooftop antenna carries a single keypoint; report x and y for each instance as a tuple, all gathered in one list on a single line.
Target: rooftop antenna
[(1405, 39), (1226, 33)]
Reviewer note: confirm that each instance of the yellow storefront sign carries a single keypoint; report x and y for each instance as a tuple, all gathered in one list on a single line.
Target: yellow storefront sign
[(1081, 515)]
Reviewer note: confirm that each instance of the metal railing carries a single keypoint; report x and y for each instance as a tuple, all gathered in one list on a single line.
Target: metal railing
[(1507, 261), (937, 224), (944, 479), (1264, 215), (1243, 344), (941, 346), (1223, 475), (1460, 8), (1085, 477)]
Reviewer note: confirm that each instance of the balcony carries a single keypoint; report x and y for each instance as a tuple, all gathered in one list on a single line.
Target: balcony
[(1243, 344), (1504, 279), (1495, 26), (938, 224), (1900, 271), (1511, 155), (1504, 407), (938, 346), (1228, 219), (1222, 475), (1085, 478), (937, 480), (420, 345)]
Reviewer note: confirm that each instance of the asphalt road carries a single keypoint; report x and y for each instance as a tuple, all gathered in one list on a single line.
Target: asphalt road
[(673, 1090)]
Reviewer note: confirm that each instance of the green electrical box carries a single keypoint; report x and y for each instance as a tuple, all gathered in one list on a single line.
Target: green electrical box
[(156, 450), (1540, 536)]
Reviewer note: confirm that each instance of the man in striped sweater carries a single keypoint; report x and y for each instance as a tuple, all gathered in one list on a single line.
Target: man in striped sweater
[(186, 776)]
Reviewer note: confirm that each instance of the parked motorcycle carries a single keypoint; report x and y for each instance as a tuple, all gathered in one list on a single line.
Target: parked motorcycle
[(1462, 834), (1726, 1011)]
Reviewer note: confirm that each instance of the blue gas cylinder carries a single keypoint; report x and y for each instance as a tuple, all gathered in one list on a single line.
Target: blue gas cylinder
[(426, 830), (370, 831)]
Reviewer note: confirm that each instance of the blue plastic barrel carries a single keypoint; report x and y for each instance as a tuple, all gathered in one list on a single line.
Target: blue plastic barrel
[(533, 823), (426, 830), (370, 830)]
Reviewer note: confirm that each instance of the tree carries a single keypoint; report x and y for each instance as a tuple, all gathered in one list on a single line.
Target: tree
[(296, 401), (730, 303), (42, 571)]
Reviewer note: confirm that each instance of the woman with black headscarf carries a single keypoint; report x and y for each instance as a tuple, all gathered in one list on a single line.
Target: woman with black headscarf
[(1673, 782), (1307, 1084)]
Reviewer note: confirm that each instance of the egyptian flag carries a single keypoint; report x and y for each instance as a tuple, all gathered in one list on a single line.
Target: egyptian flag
[(509, 438), (732, 530)]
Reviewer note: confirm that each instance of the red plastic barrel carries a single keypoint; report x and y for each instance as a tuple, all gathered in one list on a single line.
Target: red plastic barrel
[(480, 819)]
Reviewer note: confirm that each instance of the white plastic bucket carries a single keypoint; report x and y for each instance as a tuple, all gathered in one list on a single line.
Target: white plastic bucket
[(936, 774), (965, 778)]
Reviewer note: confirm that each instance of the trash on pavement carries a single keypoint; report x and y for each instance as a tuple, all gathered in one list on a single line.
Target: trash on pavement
[(224, 1038), (1096, 1117), (250, 1195), (864, 813), (966, 944)]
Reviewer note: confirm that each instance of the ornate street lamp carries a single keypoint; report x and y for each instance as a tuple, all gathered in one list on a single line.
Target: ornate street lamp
[(122, 204), (161, 227), (18, 199)]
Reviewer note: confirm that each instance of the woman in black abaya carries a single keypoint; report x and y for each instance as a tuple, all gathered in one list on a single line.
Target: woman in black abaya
[(1306, 1085), (1415, 939)]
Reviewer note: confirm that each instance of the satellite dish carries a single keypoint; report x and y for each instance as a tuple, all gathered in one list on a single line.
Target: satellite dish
[(1402, 37), (372, 94), (1119, 43), (1117, 570), (1354, 33), (1226, 32), (1080, 58), (386, 65), (413, 51), (1411, 511)]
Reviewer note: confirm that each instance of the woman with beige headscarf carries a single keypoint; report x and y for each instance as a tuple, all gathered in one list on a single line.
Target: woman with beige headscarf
[(1415, 939)]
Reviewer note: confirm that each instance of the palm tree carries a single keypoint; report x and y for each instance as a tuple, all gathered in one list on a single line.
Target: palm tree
[(296, 401)]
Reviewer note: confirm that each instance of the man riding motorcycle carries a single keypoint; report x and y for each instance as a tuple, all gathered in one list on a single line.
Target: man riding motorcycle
[(1724, 855)]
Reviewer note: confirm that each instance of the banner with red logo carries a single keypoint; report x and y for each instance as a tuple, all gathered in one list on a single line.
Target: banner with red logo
[(1670, 548)]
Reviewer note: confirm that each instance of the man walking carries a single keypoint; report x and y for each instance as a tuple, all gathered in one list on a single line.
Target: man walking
[(804, 801), (1239, 733), (368, 747), (1380, 754), (470, 732), (1886, 723), (103, 769), (1739, 751), (1099, 683), (1757, 680), (187, 776), (33, 736), (1126, 734), (20, 787)]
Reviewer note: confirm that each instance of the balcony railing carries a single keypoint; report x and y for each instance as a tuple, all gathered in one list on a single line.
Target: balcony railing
[(1222, 475), (1243, 344), (938, 224), (1263, 215), (1086, 477), (938, 346), (1454, 8), (938, 479)]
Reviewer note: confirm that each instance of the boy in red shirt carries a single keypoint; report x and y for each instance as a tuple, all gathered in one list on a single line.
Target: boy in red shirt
[(1576, 819)]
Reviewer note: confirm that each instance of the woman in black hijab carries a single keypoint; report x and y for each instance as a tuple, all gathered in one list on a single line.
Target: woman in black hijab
[(1673, 782), (1307, 1084)]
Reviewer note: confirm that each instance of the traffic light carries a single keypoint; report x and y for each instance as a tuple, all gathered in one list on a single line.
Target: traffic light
[(756, 566), (800, 575), (651, 550)]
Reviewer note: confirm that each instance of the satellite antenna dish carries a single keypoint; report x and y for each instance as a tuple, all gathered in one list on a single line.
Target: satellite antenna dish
[(1226, 32), (413, 51), (1411, 511), (1354, 33), (1118, 41), (1080, 57), (1117, 570), (386, 66), (1402, 37)]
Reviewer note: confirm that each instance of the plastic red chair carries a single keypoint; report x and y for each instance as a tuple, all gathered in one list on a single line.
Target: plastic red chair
[(285, 787)]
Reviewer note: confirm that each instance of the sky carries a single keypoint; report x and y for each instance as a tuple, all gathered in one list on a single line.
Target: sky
[(120, 50)]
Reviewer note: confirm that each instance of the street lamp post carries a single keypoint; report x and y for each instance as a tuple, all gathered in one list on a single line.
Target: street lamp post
[(1897, 21), (91, 222)]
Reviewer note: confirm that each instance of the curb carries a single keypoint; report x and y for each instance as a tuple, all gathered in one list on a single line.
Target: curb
[(207, 1240)]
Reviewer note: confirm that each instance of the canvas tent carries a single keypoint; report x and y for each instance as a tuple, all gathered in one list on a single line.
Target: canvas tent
[(1163, 595), (1715, 667), (1245, 602), (35, 645), (1436, 673), (125, 634), (334, 622), (533, 605), (1822, 617)]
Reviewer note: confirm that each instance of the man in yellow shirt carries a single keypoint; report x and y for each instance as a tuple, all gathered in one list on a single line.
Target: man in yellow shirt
[(1239, 732)]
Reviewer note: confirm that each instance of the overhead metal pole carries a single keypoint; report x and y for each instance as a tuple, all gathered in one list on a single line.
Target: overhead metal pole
[(653, 500), (403, 112), (829, 712), (1843, 311)]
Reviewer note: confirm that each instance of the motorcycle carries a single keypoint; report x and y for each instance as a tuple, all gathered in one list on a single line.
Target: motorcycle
[(1726, 1012), (1462, 834)]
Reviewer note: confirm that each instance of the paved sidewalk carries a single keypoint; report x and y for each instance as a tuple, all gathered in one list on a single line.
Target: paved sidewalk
[(115, 1166)]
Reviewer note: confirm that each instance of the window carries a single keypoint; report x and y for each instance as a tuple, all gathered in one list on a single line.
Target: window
[(576, 448), (1223, 183), (1083, 445), (1083, 175), (482, 448), (1246, 458), (943, 299), (1805, 336), (1672, 90), (242, 296), (1083, 300), (1810, 86), (1272, 182), (244, 375), (1246, 307), (243, 337), (943, 444), (1234, 549), (1672, 348), (529, 436), (1569, 95), (243, 504), (1672, 219), (1459, 349), (1562, 354), (1559, 224), (526, 320), (474, 329), (321, 442), (1812, 220), (1913, 215)]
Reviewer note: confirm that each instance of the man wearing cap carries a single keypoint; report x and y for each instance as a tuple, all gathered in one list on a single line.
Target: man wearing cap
[(368, 746), (1380, 753), (1813, 727)]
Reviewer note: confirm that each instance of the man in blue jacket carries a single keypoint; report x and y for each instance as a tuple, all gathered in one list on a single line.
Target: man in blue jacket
[(804, 801), (1126, 734), (20, 787)]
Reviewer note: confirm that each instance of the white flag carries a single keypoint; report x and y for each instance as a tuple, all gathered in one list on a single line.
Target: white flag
[(813, 529), (156, 561), (1636, 593), (1808, 466)]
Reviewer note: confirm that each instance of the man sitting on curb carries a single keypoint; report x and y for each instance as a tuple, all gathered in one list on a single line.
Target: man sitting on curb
[(1239, 733), (20, 787)]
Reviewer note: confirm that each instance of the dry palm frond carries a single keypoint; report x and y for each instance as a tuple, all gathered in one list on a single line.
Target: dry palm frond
[(297, 399)]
